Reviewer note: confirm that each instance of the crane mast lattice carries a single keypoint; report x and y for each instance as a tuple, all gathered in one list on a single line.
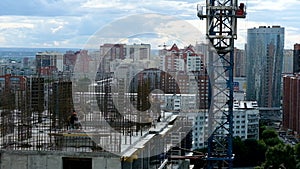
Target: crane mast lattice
[(221, 26)]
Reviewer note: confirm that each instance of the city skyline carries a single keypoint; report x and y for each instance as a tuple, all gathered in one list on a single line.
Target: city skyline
[(66, 23)]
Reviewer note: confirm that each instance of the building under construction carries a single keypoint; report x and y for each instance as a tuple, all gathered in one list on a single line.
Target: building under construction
[(130, 115), (35, 129)]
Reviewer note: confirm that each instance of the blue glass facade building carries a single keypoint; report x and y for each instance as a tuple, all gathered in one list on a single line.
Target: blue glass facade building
[(264, 56)]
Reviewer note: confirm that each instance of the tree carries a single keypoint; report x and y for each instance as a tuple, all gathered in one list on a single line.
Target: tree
[(255, 152), (297, 154), (269, 133), (262, 128), (273, 141), (270, 137), (239, 150), (280, 156), (249, 152)]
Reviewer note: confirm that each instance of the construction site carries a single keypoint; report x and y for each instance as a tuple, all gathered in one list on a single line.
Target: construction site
[(42, 138), (128, 115), (121, 120)]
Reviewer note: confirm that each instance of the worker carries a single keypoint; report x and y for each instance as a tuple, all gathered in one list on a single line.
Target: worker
[(74, 121), (159, 118)]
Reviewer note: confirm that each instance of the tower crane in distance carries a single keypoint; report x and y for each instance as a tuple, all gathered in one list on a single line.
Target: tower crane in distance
[(221, 31)]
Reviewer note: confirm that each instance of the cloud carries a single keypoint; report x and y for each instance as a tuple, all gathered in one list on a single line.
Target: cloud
[(11, 25), (54, 30), (156, 29), (73, 22), (31, 31), (57, 24), (40, 7), (59, 20), (14, 23), (113, 4), (272, 5)]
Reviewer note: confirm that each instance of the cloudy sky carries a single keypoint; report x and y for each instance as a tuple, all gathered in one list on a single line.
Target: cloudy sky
[(73, 23)]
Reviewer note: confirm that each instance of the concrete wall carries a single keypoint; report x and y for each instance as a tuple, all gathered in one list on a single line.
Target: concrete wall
[(18, 160), (106, 163)]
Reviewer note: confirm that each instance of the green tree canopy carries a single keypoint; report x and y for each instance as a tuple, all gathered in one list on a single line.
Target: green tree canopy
[(280, 156), (297, 154), (269, 133), (239, 149), (249, 152), (270, 137), (255, 152)]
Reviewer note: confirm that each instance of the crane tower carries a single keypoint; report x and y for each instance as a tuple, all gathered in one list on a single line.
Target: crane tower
[(221, 31)]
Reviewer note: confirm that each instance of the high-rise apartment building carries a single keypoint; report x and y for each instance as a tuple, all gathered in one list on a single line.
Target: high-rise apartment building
[(70, 60), (245, 119), (47, 62), (170, 59), (291, 104), (138, 51), (113, 51), (287, 65), (83, 60), (239, 63), (264, 56), (108, 53), (194, 63), (296, 65)]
